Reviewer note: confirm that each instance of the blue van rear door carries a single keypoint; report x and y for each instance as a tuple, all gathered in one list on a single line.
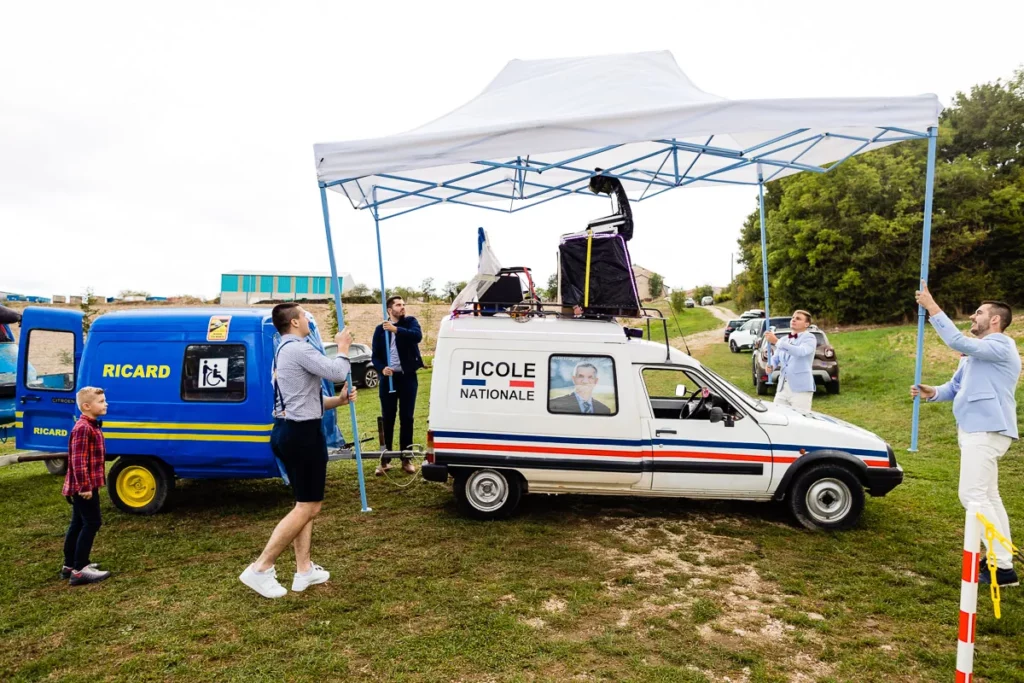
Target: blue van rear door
[(48, 358)]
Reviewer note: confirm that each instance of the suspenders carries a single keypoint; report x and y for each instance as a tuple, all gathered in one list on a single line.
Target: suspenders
[(277, 391)]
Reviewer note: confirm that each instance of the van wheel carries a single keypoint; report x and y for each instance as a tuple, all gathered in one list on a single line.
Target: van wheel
[(733, 347), (832, 387), (139, 486), (58, 466), (487, 494), (827, 497)]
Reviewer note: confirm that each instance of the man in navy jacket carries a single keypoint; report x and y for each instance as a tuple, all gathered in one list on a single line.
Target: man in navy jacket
[(397, 365)]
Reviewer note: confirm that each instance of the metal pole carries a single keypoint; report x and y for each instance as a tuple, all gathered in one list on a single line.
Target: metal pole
[(764, 260), (926, 239), (341, 325), (968, 595), (383, 295)]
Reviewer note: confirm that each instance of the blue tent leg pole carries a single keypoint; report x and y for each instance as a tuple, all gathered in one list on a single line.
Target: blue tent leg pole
[(764, 260), (383, 295), (926, 239), (341, 324)]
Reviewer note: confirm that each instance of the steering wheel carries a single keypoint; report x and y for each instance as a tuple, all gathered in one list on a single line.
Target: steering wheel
[(686, 412)]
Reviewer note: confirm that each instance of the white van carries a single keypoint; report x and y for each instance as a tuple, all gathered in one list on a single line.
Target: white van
[(561, 405)]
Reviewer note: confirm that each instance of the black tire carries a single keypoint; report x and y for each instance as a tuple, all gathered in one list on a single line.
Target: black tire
[(827, 497), (487, 494), (370, 378), (733, 347), (832, 387), (139, 486), (762, 388), (58, 466)]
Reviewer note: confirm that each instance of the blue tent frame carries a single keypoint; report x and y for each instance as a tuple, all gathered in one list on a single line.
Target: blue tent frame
[(529, 190)]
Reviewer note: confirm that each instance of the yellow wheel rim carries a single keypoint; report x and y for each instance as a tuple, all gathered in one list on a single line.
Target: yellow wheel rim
[(136, 486)]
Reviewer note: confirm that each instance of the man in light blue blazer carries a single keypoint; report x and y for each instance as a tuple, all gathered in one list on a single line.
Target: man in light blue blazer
[(794, 356), (982, 391)]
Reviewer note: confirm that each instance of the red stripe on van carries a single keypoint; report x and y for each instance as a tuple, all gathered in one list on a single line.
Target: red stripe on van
[(511, 448)]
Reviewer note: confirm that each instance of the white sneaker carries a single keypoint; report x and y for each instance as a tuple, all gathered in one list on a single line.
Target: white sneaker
[(264, 583), (315, 575)]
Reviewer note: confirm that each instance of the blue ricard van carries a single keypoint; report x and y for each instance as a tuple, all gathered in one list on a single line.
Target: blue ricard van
[(189, 389)]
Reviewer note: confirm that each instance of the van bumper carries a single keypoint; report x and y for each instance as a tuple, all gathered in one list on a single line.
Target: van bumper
[(881, 480), (432, 472)]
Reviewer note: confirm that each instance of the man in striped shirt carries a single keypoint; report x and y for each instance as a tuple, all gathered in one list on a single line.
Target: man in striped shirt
[(298, 440)]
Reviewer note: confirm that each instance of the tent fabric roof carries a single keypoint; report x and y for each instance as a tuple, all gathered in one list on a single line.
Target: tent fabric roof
[(541, 127)]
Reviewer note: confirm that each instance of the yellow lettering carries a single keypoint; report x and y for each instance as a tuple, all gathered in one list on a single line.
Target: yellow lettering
[(140, 371), (150, 372), (108, 370), (126, 370), (165, 371)]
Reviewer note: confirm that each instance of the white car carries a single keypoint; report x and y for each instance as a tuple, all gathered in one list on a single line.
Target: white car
[(744, 336), (707, 301), (561, 405)]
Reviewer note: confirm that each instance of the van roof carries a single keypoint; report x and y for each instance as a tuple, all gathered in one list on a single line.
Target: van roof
[(533, 329), (186, 318)]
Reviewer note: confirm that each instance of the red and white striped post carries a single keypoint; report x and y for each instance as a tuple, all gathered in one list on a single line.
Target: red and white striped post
[(968, 596)]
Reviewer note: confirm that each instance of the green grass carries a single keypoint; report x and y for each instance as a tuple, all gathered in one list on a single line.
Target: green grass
[(599, 588), (690, 321)]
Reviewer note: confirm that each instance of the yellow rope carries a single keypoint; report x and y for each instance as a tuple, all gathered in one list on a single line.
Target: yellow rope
[(992, 535), (586, 282)]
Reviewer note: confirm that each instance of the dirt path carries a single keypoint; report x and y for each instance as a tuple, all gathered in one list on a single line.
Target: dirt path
[(701, 340)]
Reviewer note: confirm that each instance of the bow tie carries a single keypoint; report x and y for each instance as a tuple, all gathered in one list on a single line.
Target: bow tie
[(793, 335)]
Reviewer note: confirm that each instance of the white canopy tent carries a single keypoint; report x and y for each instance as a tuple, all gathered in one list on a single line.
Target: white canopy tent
[(542, 128)]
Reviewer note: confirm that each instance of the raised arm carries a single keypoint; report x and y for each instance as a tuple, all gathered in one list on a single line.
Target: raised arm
[(800, 348), (986, 349)]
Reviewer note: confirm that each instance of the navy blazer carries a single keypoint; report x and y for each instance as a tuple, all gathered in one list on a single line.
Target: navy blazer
[(407, 339)]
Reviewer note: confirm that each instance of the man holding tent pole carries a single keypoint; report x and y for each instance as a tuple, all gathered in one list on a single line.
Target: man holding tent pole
[(982, 391)]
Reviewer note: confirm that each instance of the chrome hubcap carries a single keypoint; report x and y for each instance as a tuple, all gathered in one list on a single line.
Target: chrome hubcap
[(486, 490), (828, 500)]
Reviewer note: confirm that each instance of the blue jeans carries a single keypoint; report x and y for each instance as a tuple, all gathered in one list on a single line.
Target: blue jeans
[(85, 522)]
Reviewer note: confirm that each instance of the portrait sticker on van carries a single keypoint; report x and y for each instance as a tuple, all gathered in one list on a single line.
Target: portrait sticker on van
[(498, 380), (218, 328)]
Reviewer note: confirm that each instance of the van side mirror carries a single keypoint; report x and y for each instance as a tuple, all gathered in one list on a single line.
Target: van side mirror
[(716, 414), (680, 390)]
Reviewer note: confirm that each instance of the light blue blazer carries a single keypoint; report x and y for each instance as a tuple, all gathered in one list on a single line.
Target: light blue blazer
[(982, 388), (794, 358)]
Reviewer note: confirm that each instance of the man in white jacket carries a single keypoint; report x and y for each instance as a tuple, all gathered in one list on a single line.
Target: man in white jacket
[(794, 355)]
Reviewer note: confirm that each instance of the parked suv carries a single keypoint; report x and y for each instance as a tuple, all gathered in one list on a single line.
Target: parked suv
[(689, 303), (825, 366), (748, 335), (732, 325)]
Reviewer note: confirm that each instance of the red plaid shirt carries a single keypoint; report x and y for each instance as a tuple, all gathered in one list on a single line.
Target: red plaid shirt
[(86, 458)]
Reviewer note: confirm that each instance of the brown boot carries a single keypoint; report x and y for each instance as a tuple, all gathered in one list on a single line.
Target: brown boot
[(408, 467)]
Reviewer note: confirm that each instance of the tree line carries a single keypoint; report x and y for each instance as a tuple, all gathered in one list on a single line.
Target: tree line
[(847, 244)]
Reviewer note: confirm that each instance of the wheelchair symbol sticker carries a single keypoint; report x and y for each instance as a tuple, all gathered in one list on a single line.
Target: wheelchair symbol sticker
[(213, 373)]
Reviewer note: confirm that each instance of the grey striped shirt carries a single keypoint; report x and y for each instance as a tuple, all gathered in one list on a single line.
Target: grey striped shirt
[(300, 366)]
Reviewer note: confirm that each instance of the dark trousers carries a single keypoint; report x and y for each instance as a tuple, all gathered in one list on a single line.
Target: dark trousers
[(401, 403), (85, 522)]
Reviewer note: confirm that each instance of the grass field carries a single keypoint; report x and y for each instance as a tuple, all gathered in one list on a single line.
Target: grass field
[(573, 588)]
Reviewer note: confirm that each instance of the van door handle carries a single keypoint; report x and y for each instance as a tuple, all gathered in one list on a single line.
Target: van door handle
[(659, 432), (30, 399)]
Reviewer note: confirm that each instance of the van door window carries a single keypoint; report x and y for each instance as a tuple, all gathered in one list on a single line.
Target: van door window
[(582, 385), (213, 372), (51, 361), (678, 395)]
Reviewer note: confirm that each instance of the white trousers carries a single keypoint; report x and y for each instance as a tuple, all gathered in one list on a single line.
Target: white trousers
[(979, 482), (799, 400)]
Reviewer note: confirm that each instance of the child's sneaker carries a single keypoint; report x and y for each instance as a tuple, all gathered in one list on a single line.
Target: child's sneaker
[(264, 583), (65, 571), (315, 575), (87, 575)]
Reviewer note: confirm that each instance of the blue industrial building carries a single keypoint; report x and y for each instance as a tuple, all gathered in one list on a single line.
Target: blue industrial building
[(246, 287)]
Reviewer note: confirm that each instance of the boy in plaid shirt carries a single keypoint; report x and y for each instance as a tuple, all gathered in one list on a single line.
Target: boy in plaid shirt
[(85, 477)]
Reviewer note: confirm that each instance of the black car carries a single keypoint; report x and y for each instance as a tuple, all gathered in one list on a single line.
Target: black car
[(732, 325), (364, 375)]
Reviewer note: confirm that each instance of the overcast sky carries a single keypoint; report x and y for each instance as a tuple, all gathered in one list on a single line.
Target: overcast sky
[(156, 145)]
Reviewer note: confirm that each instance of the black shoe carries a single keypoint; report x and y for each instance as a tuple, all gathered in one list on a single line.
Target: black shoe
[(1005, 578)]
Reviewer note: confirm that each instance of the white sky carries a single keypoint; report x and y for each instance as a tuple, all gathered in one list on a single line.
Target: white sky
[(154, 146)]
